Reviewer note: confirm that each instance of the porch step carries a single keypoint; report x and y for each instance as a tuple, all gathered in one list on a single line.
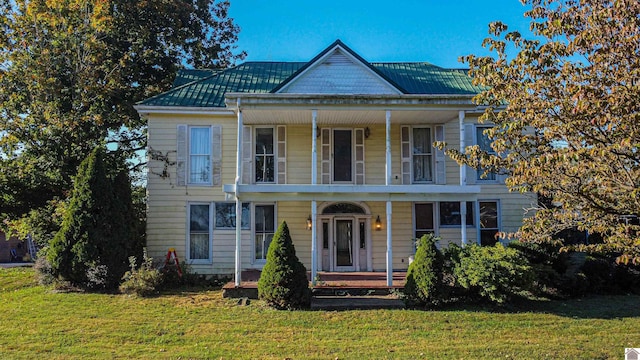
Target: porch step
[(356, 302), (341, 291)]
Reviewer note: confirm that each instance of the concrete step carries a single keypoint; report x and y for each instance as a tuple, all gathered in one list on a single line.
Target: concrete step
[(324, 302)]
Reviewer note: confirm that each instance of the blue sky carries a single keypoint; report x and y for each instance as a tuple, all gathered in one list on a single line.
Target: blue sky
[(436, 31)]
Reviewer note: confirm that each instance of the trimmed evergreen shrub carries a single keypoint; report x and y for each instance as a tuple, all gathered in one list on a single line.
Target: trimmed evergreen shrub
[(424, 276), (283, 282), (495, 273), (95, 240)]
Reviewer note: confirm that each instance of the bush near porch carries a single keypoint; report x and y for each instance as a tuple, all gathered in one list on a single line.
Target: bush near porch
[(283, 282)]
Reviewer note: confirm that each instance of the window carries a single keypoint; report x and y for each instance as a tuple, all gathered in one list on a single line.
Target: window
[(200, 155), (264, 155), (488, 222), (199, 242), (265, 228), (450, 213), (485, 144), (226, 215), (422, 155), (363, 235), (423, 220)]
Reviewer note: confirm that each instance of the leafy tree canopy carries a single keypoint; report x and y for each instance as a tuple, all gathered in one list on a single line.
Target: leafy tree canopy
[(566, 115), (71, 70)]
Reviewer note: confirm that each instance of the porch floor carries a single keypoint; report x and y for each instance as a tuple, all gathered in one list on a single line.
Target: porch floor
[(326, 282)]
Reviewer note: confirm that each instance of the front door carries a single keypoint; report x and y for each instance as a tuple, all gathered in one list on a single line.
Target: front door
[(344, 254)]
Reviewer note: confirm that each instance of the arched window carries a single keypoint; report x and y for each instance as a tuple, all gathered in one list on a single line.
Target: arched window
[(343, 208)]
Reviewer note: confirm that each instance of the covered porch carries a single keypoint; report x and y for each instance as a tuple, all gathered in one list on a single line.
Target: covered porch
[(321, 112)]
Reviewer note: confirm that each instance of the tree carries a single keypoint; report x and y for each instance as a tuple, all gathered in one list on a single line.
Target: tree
[(424, 276), (71, 71), (283, 282), (565, 115), (97, 235)]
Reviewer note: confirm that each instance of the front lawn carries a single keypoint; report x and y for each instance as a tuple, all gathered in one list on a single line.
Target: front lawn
[(38, 323)]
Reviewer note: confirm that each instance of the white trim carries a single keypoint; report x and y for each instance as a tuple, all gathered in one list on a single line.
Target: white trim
[(144, 110), (463, 168), (209, 260), (389, 259)]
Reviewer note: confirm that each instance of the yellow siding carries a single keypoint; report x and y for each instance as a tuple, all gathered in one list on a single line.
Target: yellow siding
[(167, 206)]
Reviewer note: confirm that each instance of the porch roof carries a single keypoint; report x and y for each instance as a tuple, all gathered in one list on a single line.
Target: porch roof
[(333, 192)]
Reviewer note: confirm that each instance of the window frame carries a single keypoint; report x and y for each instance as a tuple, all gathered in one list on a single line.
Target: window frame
[(450, 226), (254, 232), (498, 218), (190, 155), (492, 177), (274, 154), (209, 259), (430, 154)]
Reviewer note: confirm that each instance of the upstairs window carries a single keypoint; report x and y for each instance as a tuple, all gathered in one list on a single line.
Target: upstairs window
[(422, 155), (200, 155), (484, 143), (264, 155)]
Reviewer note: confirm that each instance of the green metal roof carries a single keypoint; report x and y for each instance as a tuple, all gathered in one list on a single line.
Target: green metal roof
[(207, 88)]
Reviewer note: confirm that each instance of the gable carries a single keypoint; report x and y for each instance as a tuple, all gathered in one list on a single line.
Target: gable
[(339, 73)]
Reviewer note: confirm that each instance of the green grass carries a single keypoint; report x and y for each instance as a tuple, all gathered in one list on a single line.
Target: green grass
[(35, 323)]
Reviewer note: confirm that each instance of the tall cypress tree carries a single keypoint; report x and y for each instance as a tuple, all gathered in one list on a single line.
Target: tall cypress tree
[(92, 247)]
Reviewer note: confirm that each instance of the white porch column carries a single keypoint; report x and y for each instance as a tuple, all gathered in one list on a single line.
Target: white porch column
[(389, 206), (463, 222), (238, 269), (389, 247), (314, 242), (314, 207), (463, 168)]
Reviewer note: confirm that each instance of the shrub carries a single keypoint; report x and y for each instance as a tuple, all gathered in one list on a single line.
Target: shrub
[(44, 273), (424, 276), (143, 281), (495, 272), (283, 282), (96, 237)]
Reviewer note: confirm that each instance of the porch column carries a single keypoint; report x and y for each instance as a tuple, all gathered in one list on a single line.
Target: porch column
[(238, 269), (314, 207), (389, 206), (463, 168), (389, 247), (463, 223)]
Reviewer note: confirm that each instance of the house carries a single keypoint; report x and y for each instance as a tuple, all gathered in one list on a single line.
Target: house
[(338, 147)]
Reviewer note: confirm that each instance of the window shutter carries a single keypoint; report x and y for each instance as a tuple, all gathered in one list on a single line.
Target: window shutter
[(325, 154), (441, 175), (216, 154), (469, 140), (405, 154), (181, 155), (359, 148), (247, 155), (281, 133)]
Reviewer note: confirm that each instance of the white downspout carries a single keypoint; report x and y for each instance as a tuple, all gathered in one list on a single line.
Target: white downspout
[(314, 208), (389, 206), (238, 267)]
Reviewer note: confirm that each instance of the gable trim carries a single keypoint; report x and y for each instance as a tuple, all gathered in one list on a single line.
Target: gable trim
[(349, 53)]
